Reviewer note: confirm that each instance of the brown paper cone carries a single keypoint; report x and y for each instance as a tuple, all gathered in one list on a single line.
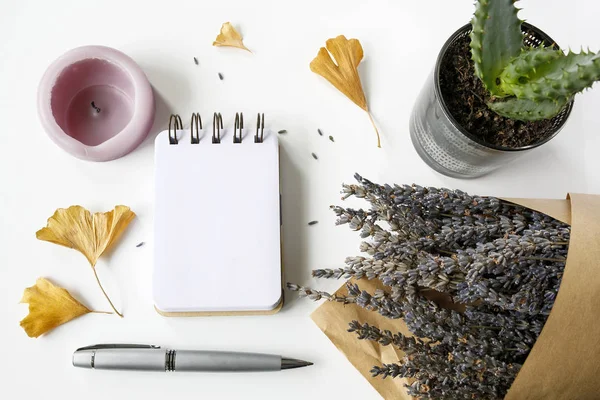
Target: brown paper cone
[(564, 362)]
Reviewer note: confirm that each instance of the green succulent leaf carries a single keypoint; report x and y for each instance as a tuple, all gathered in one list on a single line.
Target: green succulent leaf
[(527, 109), (529, 65), (496, 38), (548, 76)]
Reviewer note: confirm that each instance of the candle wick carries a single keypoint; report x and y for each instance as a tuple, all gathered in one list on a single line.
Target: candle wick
[(95, 108)]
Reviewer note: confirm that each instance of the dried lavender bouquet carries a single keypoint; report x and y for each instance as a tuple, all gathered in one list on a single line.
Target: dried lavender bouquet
[(502, 262)]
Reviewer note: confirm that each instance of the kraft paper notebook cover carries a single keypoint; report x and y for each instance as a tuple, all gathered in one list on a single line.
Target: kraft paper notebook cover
[(217, 240)]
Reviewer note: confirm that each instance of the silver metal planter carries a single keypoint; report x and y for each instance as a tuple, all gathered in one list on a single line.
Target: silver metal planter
[(445, 145)]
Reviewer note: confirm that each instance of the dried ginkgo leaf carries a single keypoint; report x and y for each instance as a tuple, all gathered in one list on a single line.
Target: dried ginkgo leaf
[(90, 234), (229, 37), (49, 307), (342, 70)]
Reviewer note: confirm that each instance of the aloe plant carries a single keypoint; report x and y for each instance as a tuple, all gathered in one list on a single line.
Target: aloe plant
[(525, 83)]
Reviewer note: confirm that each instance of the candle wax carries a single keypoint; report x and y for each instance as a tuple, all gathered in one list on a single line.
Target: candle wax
[(90, 127), (93, 80)]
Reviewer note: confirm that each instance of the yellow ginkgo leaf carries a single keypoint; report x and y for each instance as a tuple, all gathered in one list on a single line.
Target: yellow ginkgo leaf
[(342, 70), (229, 37), (90, 234), (49, 307)]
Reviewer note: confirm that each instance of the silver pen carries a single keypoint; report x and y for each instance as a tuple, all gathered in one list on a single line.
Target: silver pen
[(142, 357)]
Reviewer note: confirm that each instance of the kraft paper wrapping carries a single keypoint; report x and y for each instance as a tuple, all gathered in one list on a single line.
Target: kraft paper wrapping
[(564, 362)]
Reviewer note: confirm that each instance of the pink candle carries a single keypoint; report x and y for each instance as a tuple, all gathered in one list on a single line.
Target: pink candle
[(96, 103)]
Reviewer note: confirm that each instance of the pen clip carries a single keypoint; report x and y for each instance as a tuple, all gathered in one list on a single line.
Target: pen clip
[(118, 346)]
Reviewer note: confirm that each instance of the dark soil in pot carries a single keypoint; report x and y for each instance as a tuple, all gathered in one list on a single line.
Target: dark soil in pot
[(465, 97)]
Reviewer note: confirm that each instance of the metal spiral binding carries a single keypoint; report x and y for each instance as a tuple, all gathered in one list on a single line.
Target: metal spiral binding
[(175, 121), (260, 124), (170, 360), (238, 127), (197, 123), (217, 126)]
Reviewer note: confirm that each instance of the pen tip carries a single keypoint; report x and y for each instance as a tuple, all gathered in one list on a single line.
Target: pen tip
[(289, 363)]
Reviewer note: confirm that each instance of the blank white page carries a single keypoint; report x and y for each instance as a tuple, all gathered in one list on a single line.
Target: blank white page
[(217, 244)]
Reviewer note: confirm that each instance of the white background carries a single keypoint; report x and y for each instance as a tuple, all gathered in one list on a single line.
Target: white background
[(401, 40)]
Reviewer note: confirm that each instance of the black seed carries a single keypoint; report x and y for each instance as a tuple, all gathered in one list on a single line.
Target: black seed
[(331, 138), (282, 131), (140, 244), (196, 61), (315, 156), (320, 132), (220, 76), (313, 222)]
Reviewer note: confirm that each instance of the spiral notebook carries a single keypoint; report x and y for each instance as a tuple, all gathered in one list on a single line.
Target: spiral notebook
[(217, 220)]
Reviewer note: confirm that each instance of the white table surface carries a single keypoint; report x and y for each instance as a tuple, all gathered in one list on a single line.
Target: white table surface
[(401, 41)]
